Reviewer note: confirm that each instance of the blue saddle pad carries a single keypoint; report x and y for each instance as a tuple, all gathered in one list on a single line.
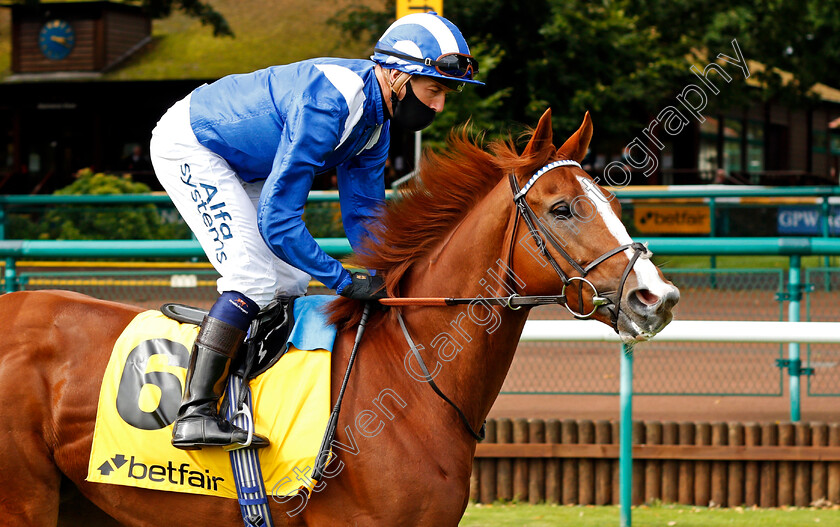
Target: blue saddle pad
[(311, 330)]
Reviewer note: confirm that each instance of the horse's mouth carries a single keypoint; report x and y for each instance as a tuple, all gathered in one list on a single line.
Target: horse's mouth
[(642, 313), (632, 331)]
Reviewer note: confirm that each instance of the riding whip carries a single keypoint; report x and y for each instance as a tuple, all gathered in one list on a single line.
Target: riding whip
[(332, 424)]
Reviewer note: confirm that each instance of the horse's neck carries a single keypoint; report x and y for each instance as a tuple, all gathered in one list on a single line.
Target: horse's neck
[(485, 339)]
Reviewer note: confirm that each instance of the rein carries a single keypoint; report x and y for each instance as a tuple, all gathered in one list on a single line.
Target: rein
[(429, 379), (539, 232), (513, 301)]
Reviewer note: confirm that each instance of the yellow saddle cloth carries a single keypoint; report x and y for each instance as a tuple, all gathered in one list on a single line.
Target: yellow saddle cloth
[(139, 399)]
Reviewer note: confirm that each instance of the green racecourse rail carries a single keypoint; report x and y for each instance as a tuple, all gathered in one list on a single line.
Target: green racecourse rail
[(794, 248), (708, 194)]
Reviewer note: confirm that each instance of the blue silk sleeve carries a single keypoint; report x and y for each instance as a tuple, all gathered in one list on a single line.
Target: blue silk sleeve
[(310, 135), (361, 189)]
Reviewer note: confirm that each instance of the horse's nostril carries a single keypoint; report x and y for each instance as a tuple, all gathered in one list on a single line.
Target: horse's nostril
[(646, 297), (671, 298)]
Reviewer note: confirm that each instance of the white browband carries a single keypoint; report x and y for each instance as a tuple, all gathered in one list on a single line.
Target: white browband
[(543, 170)]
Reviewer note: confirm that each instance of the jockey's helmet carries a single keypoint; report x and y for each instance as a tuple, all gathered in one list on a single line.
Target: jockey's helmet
[(427, 44)]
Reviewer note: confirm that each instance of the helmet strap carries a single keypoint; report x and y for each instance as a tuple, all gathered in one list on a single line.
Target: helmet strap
[(398, 83)]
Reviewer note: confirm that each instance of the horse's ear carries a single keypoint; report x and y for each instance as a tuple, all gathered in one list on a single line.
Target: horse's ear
[(542, 135), (575, 147)]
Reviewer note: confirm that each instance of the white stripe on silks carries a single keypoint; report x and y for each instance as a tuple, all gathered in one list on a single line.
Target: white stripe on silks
[(409, 48), (374, 138), (543, 170), (352, 88), (434, 25)]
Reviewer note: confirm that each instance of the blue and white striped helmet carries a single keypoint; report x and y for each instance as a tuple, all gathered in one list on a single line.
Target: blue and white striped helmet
[(426, 44)]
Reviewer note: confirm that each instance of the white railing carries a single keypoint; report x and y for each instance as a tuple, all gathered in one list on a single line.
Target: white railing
[(689, 331), (793, 333)]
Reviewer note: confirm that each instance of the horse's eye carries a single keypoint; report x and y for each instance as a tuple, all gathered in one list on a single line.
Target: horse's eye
[(561, 210)]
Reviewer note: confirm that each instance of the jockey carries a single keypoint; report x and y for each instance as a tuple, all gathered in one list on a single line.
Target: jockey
[(238, 158)]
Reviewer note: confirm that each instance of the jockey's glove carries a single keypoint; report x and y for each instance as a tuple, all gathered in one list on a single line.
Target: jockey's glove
[(364, 287)]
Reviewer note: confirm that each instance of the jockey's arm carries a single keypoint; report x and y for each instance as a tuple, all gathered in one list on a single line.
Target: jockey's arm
[(309, 136), (361, 189)]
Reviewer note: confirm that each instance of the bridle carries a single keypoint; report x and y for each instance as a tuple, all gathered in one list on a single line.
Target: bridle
[(539, 232)]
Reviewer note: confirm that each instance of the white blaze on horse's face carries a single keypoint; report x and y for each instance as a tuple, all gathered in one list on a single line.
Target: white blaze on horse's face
[(646, 307)]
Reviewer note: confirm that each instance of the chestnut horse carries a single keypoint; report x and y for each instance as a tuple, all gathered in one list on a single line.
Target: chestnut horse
[(404, 455)]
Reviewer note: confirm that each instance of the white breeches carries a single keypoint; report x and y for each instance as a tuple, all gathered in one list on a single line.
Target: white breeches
[(221, 210)]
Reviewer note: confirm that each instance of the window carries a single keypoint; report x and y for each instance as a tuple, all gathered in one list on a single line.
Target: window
[(707, 162), (732, 133), (755, 146), (834, 143)]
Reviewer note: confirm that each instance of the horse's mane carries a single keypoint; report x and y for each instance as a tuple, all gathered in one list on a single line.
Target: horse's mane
[(448, 186)]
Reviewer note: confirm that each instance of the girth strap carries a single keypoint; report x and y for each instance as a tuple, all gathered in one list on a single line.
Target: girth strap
[(479, 436), (245, 462)]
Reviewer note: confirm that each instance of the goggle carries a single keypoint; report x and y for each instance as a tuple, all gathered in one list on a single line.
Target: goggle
[(456, 65)]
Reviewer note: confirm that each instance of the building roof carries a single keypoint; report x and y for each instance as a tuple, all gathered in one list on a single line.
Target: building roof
[(267, 32)]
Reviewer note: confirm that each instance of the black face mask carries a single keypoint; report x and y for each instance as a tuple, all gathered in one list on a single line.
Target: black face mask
[(410, 112)]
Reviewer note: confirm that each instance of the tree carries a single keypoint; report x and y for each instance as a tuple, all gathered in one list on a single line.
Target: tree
[(798, 38), (597, 57), (119, 222), (620, 59)]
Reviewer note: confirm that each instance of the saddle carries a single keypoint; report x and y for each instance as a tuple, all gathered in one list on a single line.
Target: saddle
[(266, 343), (267, 337)]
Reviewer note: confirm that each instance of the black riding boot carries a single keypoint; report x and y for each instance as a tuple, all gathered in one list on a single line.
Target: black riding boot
[(199, 423)]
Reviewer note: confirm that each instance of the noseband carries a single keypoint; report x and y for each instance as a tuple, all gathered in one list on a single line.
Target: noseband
[(540, 233)]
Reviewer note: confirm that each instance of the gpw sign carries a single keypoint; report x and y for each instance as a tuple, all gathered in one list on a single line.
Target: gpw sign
[(806, 220)]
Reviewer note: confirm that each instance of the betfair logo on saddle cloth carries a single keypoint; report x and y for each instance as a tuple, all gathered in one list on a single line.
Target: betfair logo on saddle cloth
[(139, 400)]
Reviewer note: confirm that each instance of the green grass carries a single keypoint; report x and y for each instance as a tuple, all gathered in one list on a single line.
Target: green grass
[(504, 515), (5, 42), (267, 32)]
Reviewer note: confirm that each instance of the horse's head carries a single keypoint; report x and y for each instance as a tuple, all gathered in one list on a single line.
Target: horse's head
[(571, 240)]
